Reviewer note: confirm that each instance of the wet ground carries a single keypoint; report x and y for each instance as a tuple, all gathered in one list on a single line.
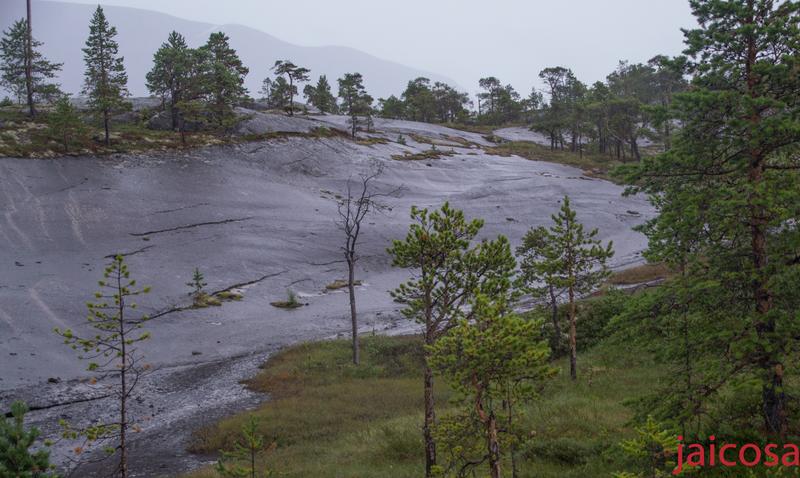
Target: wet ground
[(256, 216)]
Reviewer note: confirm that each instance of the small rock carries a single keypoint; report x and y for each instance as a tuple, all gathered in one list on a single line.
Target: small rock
[(19, 264), (633, 213), (53, 380), (195, 352)]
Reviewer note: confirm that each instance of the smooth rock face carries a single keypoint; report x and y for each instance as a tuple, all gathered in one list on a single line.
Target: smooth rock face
[(258, 212)]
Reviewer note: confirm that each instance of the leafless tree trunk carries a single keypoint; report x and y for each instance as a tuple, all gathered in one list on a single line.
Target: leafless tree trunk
[(353, 208)]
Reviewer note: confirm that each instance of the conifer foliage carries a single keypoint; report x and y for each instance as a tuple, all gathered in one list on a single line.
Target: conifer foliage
[(448, 273), (225, 80), (13, 62), (728, 192), (16, 441), (105, 79), (566, 258), (112, 354)]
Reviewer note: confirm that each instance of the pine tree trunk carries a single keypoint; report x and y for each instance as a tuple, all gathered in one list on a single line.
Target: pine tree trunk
[(123, 398), (105, 127), (430, 418), (635, 150), (510, 429), (493, 446), (174, 113), (773, 396), (29, 62), (291, 97), (351, 286), (252, 462), (556, 342), (573, 344)]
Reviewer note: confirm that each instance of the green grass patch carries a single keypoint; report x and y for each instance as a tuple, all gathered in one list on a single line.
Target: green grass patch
[(330, 418), (340, 284), (641, 274), (21, 136), (592, 165), (228, 295), (203, 300), (371, 140), (423, 155)]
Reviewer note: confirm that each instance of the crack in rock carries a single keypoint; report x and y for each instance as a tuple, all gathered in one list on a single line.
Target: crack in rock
[(180, 208), (189, 226), (33, 408), (181, 308), (131, 253)]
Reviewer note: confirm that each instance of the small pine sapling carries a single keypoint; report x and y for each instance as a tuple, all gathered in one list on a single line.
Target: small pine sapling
[(112, 356), (241, 462), (16, 458)]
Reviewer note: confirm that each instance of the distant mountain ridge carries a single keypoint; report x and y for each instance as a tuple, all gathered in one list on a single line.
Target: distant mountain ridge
[(63, 27)]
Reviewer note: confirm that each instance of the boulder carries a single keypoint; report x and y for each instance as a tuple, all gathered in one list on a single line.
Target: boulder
[(161, 121), (128, 117)]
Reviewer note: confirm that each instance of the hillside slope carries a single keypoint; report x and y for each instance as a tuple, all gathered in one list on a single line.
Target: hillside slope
[(63, 27), (259, 212)]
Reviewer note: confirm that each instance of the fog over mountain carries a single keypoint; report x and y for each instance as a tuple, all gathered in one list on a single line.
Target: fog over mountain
[(63, 27)]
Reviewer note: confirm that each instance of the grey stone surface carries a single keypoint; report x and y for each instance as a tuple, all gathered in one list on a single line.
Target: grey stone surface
[(240, 213)]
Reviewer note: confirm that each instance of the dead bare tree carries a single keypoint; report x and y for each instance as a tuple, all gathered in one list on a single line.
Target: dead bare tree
[(353, 208)]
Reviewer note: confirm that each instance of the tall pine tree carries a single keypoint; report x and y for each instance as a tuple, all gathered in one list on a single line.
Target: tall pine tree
[(225, 79), (295, 74), (170, 73), (13, 63), (105, 80), (320, 96), (448, 273), (566, 258), (732, 181), (355, 100)]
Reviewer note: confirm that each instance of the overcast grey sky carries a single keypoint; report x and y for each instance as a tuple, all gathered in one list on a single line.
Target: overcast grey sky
[(463, 39)]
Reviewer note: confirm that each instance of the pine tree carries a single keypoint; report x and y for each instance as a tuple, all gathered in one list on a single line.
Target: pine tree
[(112, 353), (225, 79), (170, 74), (448, 273), (355, 100), (320, 96), (277, 92), (733, 168), (13, 64), (495, 361), (65, 122), (295, 74), (16, 458), (105, 80), (538, 275), (192, 107), (246, 449), (576, 263)]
